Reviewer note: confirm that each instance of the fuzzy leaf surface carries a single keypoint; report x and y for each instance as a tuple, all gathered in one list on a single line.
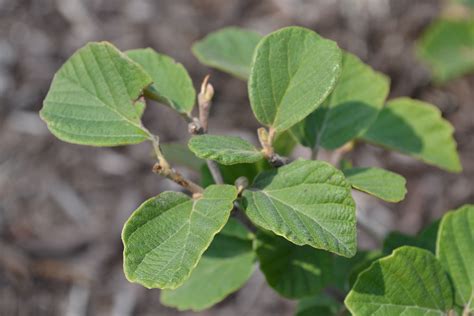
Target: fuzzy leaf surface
[(417, 129), (226, 150), (171, 82), (386, 185), (224, 268), (293, 72), (350, 109), (166, 236), (94, 98), (455, 250), (408, 282), (308, 203), (293, 271), (229, 49)]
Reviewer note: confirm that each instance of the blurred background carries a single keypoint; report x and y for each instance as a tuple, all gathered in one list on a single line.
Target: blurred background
[(62, 206)]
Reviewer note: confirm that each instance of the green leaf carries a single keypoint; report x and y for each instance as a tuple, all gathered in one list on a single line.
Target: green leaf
[(447, 47), (179, 154), (166, 236), (226, 150), (294, 70), (365, 260), (381, 183), (341, 280), (425, 239), (224, 268), (229, 49), (417, 129), (293, 271), (171, 82), (308, 203), (350, 109), (232, 172), (428, 236), (284, 143), (93, 99), (408, 282), (455, 250), (318, 305), (396, 239)]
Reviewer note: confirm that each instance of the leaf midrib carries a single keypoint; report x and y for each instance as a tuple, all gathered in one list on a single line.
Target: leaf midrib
[(307, 216)]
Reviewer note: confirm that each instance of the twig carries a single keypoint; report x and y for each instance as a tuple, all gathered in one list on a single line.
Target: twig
[(163, 168), (200, 125)]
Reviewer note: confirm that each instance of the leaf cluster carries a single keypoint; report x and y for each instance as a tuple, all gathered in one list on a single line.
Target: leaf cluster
[(304, 90)]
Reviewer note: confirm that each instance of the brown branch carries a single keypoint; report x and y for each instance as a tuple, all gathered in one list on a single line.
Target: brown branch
[(178, 178), (163, 168)]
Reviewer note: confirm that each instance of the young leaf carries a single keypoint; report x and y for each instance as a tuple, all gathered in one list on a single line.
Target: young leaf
[(408, 282), (455, 250), (308, 203), (93, 99), (381, 183), (350, 109), (224, 268), (293, 271), (417, 129), (294, 70), (226, 150), (229, 49), (447, 47), (166, 236), (171, 82)]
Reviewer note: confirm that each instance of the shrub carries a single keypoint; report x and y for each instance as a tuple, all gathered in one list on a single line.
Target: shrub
[(300, 221)]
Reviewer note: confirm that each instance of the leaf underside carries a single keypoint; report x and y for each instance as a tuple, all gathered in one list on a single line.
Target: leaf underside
[(447, 47), (226, 150), (417, 129), (230, 49), (293, 271), (93, 99), (381, 183), (408, 282), (351, 108), (166, 236), (294, 70), (171, 82), (308, 203)]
